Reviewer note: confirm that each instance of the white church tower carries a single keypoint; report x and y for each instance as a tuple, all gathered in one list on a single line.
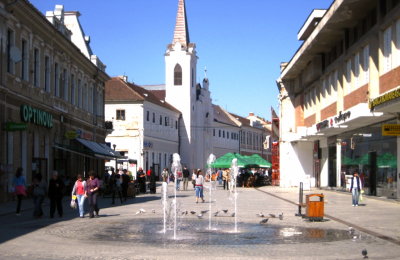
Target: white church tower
[(180, 80)]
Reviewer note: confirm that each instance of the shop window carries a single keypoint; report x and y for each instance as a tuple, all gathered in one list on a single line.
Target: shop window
[(120, 114)]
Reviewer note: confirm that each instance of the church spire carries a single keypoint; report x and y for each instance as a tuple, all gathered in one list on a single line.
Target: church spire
[(181, 33)]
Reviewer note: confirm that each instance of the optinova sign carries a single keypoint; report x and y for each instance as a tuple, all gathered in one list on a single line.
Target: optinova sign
[(36, 116)]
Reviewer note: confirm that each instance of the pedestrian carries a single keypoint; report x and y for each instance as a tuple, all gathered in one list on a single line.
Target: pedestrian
[(116, 182), (93, 186), (194, 175), (125, 184), (148, 175), (220, 177), (56, 188), (224, 178), (80, 191), (39, 193), (185, 178), (152, 184), (141, 177), (355, 188), (178, 180), (199, 186), (165, 175), (19, 185)]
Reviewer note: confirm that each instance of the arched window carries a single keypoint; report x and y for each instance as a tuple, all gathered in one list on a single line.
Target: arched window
[(178, 75)]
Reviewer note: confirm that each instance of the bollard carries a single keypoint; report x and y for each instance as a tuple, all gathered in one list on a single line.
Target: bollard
[(300, 200)]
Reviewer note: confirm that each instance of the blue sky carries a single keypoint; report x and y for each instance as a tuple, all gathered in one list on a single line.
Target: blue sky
[(241, 42)]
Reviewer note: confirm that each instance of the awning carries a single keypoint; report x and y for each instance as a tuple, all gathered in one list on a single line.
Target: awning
[(95, 150), (127, 160), (100, 150)]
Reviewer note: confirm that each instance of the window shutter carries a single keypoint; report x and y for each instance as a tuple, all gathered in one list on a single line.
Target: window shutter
[(348, 72), (366, 64), (357, 70), (387, 49)]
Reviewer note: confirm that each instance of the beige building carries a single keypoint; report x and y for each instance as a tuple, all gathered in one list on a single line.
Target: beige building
[(337, 92), (51, 95)]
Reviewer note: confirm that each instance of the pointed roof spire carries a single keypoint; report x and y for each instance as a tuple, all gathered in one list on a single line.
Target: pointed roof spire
[(181, 33)]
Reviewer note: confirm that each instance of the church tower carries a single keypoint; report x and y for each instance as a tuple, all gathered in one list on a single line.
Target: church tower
[(180, 80)]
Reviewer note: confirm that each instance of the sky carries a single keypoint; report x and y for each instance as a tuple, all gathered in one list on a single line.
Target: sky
[(241, 42)]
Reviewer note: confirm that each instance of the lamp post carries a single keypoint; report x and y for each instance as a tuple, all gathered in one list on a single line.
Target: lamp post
[(114, 145)]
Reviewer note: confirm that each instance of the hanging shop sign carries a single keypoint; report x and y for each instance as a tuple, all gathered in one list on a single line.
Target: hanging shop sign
[(11, 126), (84, 135), (390, 130), (342, 117), (384, 98), (36, 116), (71, 135)]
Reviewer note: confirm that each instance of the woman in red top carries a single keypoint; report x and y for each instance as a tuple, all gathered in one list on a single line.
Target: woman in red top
[(80, 190)]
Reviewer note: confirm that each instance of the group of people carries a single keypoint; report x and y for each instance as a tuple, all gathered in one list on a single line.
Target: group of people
[(55, 191), (119, 183), (141, 177)]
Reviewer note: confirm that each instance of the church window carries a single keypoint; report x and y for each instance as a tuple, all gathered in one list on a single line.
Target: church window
[(120, 114), (178, 75)]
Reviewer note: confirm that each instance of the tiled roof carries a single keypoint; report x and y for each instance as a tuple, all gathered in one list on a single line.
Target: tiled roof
[(181, 33), (119, 90), (242, 120), (221, 116)]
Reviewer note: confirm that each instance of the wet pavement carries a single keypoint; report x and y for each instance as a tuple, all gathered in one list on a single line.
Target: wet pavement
[(120, 233)]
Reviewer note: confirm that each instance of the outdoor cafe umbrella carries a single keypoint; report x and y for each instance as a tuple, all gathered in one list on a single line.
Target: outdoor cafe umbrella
[(261, 162), (225, 161)]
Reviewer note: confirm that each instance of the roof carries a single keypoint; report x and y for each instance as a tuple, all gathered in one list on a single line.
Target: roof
[(181, 33), (221, 116), (118, 90), (241, 119)]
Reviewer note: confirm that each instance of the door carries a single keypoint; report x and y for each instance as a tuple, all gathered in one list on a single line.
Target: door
[(156, 168), (372, 173), (39, 165), (317, 172), (332, 177)]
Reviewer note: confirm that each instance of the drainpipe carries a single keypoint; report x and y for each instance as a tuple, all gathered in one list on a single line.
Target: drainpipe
[(179, 134)]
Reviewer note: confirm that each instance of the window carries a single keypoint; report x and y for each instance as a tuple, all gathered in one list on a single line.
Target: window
[(120, 114), (176, 124), (193, 77), (166, 121), (24, 61), (357, 70), (213, 132), (72, 89), (148, 116), (398, 41), (47, 73), (315, 100), (219, 133), (334, 86), (79, 93), (178, 75), (154, 117), (223, 134), (65, 85), (348, 76), (387, 50), (311, 102), (366, 64), (10, 43), (85, 97), (232, 135), (227, 135), (56, 80), (329, 91), (100, 104), (172, 123), (36, 67), (323, 93), (305, 105), (91, 100), (160, 119)]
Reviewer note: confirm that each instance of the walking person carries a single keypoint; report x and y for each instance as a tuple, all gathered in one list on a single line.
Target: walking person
[(93, 185), (220, 177), (125, 184), (224, 178), (194, 175), (80, 190), (141, 177), (152, 180), (56, 187), (39, 193), (355, 188), (19, 185), (185, 178), (165, 175), (116, 182), (178, 180), (199, 186)]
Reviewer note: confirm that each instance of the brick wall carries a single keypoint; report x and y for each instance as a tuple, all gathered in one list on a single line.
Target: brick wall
[(298, 111), (389, 80), (309, 121), (328, 111), (356, 97)]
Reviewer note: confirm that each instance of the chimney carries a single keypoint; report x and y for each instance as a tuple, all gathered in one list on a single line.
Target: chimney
[(251, 114), (283, 65), (124, 78)]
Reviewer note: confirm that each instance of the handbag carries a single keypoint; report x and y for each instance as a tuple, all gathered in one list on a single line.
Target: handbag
[(73, 204)]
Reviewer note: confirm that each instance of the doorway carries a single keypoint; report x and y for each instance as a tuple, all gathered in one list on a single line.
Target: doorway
[(332, 172), (317, 172), (156, 168), (39, 165)]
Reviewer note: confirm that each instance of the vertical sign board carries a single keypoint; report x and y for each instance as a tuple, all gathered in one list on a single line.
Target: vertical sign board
[(390, 130)]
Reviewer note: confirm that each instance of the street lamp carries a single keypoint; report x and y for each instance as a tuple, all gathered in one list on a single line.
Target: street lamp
[(114, 145)]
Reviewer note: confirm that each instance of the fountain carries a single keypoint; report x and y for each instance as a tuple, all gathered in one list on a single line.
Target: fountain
[(164, 194), (234, 173), (210, 160), (176, 167)]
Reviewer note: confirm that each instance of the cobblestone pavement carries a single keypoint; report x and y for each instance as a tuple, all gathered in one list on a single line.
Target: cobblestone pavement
[(120, 233)]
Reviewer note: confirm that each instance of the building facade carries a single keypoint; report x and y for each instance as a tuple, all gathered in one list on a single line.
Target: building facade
[(48, 89), (337, 96)]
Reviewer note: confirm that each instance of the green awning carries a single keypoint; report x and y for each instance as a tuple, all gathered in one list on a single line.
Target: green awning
[(94, 150)]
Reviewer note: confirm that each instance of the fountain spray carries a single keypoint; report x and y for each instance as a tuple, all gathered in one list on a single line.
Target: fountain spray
[(210, 160), (234, 174), (176, 167)]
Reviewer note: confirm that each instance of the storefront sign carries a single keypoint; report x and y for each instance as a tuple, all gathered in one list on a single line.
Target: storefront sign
[(36, 116), (342, 117), (390, 130), (148, 144), (322, 125), (71, 135), (11, 126), (384, 98), (84, 135)]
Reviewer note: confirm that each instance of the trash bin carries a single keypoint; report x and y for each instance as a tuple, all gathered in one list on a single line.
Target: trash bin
[(131, 190), (315, 207)]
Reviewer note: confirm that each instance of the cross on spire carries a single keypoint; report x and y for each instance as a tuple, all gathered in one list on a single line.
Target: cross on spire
[(181, 33)]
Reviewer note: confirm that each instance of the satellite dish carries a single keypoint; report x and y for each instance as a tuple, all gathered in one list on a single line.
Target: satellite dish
[(15, 54)]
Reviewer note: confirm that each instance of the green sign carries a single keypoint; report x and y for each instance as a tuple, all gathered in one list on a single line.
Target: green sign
[(11, 126), (36, 116)]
